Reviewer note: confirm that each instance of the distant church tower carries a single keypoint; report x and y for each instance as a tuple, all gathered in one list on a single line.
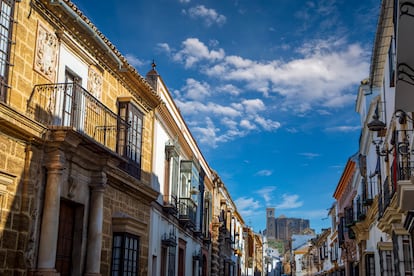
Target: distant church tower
[(270, 223)]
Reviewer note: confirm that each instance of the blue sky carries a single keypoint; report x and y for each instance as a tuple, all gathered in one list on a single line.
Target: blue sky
[(267, 87)]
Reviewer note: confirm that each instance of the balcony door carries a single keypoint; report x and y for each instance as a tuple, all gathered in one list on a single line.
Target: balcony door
[(73, 101)]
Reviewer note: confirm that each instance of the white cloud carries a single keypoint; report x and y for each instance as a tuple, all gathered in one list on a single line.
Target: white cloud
[(229, 89), (343, 128), (207, 135), (292, 130), (322, 76), (134, 61), (247, 124), (228, 122), (267, 124), (253, 105), (194, 51), (194, 107), (164, 47), (209, 16), (196, 90), (289, 202), (264, 173), (247, 206), (266, 193), (211, 135), (309, 155), (184, 1)]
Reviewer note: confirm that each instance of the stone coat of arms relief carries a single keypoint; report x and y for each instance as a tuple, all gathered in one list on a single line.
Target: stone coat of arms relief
[(95, 80), (46, 53)]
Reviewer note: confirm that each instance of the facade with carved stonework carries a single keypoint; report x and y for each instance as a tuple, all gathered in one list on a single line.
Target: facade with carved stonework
[(345, 197), (182, 214), (99, 174), (381, 215), (76, 147), (235, 249)]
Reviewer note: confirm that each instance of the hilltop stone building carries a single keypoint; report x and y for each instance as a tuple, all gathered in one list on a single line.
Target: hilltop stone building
[(282, 228)]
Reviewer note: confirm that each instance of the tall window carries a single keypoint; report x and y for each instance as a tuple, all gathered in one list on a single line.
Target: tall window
[(130, 137), (6, 19), (386, 262), (125, 254), (370, 264), (391, 62), (402, 254), (207, 213)]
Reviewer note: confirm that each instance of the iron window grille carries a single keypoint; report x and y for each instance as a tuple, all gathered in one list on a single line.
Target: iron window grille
[(125, 254), (130, 137), (370, 264), (6, 24)]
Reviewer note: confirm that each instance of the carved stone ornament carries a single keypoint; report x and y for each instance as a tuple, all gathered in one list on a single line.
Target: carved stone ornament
[(95, 81), (72, 185), (46, 53)]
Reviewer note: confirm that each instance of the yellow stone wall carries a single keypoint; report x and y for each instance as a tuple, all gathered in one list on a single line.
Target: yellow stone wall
[(18, 203), (23, 77), (118, 202), (15, 223)]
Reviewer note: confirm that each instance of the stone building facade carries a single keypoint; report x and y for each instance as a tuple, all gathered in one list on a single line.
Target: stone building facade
[(87, 147), (76, 133)]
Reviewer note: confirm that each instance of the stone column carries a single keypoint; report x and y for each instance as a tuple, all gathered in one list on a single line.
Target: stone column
[(93, 259), (50, 219)]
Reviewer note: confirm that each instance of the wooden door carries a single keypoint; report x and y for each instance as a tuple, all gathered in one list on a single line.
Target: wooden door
[(65, 238), (181, 262)]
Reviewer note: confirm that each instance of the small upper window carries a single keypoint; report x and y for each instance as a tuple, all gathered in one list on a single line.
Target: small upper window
[(6, 19)]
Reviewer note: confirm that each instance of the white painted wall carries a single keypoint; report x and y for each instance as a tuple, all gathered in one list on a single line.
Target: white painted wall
[(68, 59)]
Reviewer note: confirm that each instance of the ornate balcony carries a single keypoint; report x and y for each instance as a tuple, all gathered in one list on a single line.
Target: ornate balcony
[(369, 190), (170, 204), (402, 170), (169, 240), (405, 58), (187, 212), (69, 106)]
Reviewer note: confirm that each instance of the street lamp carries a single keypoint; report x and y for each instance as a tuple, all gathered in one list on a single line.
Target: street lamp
[(376, 124)]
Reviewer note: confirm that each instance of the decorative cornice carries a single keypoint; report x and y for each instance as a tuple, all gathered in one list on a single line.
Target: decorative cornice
[(384, 246), (18, 125), (407, 8), (361, 230), (405, 73), (131, 185), (391, 216), (99, 46)]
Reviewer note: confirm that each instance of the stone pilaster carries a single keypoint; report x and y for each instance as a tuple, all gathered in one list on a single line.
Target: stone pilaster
[(93, 261), (50, 219)]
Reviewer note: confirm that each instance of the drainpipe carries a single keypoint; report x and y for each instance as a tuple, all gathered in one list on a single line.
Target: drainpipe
[(91, 32)]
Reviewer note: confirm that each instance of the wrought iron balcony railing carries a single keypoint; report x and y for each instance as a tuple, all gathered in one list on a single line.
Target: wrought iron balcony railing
[(349, 216), (369, 190), (187, 211), (388, 193), (402, 165), (360, 209), (170, 204), (70, 105)]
